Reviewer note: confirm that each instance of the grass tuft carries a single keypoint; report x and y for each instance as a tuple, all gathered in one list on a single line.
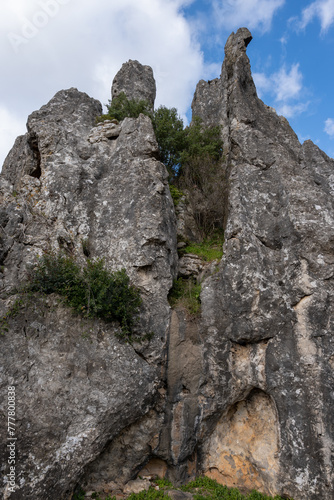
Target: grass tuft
[(186, 293), (208, 250)]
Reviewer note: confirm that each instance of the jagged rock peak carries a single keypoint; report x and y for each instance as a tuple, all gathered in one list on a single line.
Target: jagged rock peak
[(238, 42), (136, 81)]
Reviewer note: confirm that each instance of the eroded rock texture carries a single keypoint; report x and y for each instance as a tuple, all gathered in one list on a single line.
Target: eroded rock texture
[(267, 314), (244, 393), (77, 386), (136, 81)]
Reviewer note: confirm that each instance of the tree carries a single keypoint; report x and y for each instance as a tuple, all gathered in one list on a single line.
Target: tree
[(201, 141), (121, 107), (169, 131), (204, 179)]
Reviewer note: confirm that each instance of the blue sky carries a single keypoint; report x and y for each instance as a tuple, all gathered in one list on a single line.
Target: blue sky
[(48, 45)]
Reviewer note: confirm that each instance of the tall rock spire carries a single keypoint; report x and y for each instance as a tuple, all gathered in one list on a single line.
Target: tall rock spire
[(136, 81), (267, 313)]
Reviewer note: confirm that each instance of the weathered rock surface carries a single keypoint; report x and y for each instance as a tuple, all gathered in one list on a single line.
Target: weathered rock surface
[(108, 129), (244, 394), (190, 265), (267, 314), (77, 386), (136, 81)]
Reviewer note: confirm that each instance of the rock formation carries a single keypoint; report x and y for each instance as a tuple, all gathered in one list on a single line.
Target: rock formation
[(245, 394), (77, 387), (136, 81), (267, 326)]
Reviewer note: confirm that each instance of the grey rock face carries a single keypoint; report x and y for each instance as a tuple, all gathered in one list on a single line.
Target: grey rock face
[(77, 386), (207, 101), (190, 265), (105, 130), (267, 313), (136, 81), (245, 394)]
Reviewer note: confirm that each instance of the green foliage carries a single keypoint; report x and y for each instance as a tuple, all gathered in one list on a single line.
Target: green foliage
[(93, 291), (85, 247), (202, 488), (151, 494), (178, 145), (11, 313), (201, 141), (209, 249), (205, 182), (79, 494), (121, 107), (192, 155), (163, 483), (186, 293), (96, 496), (169, 132), (176, 194), (206, 488)]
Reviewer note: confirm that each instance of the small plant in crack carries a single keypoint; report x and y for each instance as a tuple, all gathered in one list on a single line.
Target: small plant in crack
[(186, 293)]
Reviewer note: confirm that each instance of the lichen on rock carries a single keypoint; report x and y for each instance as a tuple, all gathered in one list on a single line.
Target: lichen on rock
[(243, 391)]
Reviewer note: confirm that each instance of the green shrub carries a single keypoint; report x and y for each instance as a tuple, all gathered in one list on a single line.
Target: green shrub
[(151, 494), (179, 146), (92, 291), (170, 135), (176, 194), (206, 488), (193, 157), (79, 494), (186, 293), (202, 488), (201, 141), (10, 313), (121, 107), (164, 483)]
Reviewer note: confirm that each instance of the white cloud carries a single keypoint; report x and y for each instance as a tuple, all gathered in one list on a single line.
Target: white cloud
[(263, 83), (10, 127), (287, 84), (291, 110), (49, 45), (286, 88), (283, 84), (323, 10), (329, 127), (251, 13)]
